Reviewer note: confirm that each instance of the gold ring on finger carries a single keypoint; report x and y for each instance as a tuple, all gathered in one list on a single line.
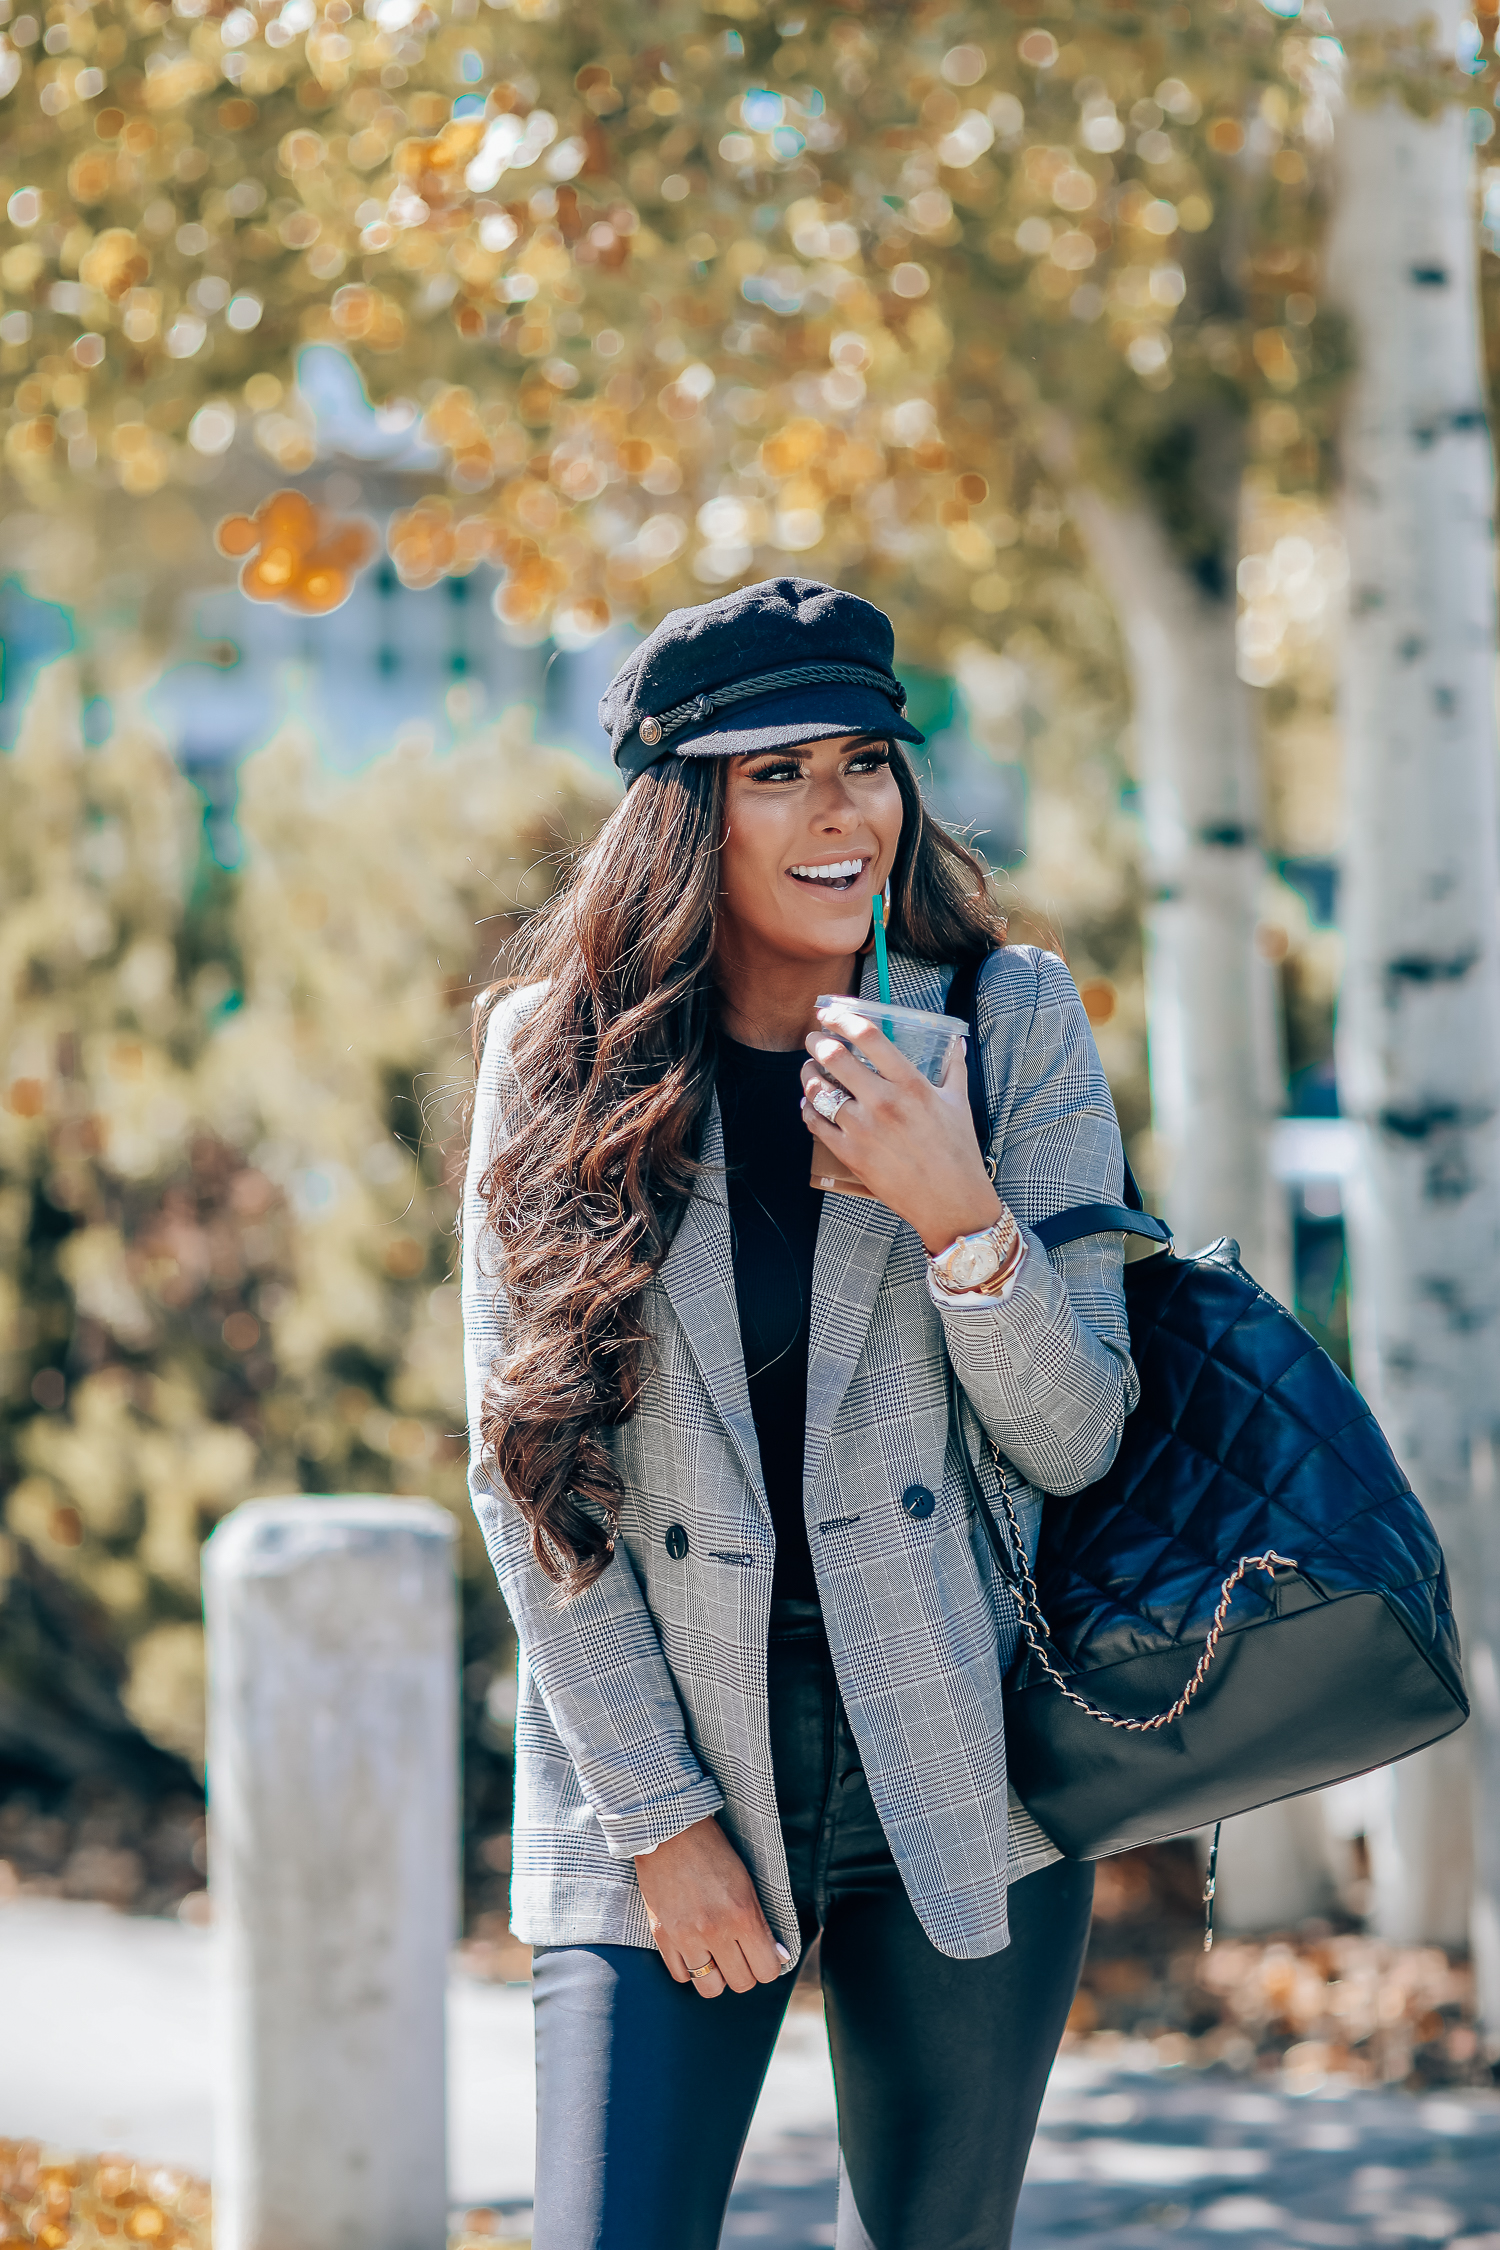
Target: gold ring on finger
[(703, 1972)]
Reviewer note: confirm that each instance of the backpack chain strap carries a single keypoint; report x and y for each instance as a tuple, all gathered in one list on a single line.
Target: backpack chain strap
[(1037, 1631), (1034, 1624)]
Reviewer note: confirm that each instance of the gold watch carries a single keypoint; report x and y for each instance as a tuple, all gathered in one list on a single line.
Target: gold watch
[(980, 1263)]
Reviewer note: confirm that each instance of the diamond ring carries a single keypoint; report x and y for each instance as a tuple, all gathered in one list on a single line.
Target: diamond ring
[(829, 1100)]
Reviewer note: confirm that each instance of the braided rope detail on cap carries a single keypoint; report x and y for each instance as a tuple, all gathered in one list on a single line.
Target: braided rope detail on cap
[(654, 729)]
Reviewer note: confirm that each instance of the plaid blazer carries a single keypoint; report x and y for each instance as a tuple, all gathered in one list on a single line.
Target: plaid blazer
[(642, 1704)]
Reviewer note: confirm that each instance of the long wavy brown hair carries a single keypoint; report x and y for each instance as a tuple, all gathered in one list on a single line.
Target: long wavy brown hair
[(611, 1077)]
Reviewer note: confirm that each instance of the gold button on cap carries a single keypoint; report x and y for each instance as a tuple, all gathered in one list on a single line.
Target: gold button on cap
[(650, 730)]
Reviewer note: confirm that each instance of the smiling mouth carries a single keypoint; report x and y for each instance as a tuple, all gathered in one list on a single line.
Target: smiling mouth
[(838, 875)]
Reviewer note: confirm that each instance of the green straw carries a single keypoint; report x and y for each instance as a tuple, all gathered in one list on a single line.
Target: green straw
[(882, 965)]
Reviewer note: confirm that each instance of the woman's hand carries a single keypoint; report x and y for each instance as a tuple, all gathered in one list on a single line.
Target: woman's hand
[(910, 1142), (703, 1908)]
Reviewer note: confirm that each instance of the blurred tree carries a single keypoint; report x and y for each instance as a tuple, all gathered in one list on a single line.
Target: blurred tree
[(1419, 1033), (614, 311), (227, 1137), (1150, 440), (759, 293)]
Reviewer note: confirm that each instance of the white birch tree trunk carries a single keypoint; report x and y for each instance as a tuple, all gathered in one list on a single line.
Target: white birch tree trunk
[(1216, 1071), (1419, 1021), (1216, 1074)]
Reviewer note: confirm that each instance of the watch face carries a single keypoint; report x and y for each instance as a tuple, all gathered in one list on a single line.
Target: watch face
[(973, 1259)]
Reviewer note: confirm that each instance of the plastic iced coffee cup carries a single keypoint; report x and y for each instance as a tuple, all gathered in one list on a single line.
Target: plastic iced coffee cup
[(925, 1039)]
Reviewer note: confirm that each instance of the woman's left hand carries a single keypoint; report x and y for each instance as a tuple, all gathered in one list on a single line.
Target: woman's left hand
[(911, 1143)]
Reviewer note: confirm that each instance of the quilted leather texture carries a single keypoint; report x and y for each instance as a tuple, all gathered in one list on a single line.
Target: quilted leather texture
[(1246, 1437)]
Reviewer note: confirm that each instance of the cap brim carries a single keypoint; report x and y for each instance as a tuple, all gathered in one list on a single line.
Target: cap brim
[(777, 722)]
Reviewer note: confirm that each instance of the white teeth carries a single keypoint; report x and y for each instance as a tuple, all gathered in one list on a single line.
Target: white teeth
[(831, 874)]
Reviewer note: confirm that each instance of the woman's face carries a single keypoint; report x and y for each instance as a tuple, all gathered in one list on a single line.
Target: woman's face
[(810, 836)]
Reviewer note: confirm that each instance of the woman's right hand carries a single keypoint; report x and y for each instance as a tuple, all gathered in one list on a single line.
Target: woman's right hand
[(703, 1908)]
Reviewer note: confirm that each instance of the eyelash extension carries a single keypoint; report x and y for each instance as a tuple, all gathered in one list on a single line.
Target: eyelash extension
[(877, 758)]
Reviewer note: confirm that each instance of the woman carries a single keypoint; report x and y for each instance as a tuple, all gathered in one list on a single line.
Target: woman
[(762, 1643)]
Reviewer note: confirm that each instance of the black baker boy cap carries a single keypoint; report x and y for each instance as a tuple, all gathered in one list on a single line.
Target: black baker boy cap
[(784, 662)]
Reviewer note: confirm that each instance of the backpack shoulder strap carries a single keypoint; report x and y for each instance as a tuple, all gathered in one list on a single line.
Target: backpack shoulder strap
[(1101, 1218), (1129, 1217)]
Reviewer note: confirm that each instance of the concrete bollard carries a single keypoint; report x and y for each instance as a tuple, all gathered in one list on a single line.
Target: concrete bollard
[(333, 1819)]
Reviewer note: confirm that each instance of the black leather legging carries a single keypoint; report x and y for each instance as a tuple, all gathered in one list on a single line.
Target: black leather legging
[(645, 2092)]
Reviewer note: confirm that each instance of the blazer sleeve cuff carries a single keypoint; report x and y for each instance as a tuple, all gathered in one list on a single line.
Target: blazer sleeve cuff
[(1028, 1307), (632, 1835)]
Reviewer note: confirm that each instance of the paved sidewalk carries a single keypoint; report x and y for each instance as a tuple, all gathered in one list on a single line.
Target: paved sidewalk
[(107, 2043)]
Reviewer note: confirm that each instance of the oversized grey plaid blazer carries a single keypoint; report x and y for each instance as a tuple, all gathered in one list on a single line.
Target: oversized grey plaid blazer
[(643, 1703)]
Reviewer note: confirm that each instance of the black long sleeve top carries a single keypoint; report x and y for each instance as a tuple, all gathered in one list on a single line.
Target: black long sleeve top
[(773, 1216)]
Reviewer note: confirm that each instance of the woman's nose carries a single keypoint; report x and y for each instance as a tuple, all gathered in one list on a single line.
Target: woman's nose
[(833, 804)]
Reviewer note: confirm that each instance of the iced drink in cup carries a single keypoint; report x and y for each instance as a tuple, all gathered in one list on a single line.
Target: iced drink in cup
[(925, 1039)]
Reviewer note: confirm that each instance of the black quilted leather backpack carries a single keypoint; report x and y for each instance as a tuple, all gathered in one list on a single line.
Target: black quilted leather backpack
[(1250, 1604)]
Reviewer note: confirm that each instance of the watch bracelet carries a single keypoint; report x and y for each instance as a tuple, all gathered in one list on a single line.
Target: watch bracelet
[(1010, 1258)]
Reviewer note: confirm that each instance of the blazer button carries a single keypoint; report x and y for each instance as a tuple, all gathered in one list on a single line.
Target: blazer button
[(677, 1541), (918, 1501)]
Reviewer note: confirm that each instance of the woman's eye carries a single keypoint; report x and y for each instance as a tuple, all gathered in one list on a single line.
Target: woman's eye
[(786, 769), (869, 761)]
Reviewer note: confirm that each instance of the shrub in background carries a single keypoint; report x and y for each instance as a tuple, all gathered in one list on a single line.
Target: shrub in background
[(230, 1141)]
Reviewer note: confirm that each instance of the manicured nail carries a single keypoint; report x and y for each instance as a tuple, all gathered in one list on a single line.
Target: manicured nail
[(782, 1951)]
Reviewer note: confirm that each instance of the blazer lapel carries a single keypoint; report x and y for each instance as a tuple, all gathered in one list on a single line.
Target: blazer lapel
[(855, 1234), (698, 1276)]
